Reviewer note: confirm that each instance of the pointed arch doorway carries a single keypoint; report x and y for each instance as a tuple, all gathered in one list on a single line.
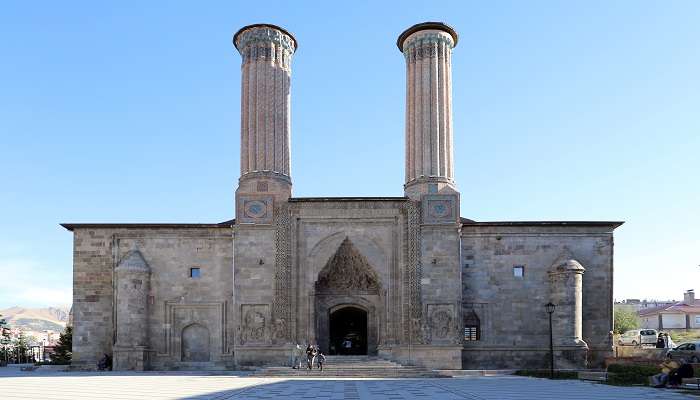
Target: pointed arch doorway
[(348, 304)]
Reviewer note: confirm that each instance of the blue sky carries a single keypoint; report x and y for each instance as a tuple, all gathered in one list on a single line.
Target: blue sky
[(129, 112)]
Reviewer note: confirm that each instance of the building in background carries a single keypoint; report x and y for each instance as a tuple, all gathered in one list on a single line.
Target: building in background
[(683, 315)]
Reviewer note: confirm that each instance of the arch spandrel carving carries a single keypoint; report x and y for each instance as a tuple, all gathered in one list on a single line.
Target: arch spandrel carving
[(348, 271)]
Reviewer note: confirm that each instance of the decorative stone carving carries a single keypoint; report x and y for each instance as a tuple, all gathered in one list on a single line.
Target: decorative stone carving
[(412, 275), (260, 39), (348, 271), (283, 274), (256, 209), (254, 324), (279, 330), (443, 328), (439, 208), (441, 324)]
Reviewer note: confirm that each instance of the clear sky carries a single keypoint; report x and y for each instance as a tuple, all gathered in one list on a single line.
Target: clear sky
[(129, 112)]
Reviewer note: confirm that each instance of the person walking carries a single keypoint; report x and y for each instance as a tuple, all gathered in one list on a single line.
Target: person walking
[(321, 358)]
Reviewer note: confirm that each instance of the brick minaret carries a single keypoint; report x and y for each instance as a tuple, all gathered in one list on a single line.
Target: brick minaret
[(427, 48), (266, 52)]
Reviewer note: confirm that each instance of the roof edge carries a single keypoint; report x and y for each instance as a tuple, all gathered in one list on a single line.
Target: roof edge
[(331, 199), (72, 226), (613, 224)]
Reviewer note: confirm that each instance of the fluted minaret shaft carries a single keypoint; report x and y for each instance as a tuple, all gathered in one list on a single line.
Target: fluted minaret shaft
[(427, 48), (267, 52)]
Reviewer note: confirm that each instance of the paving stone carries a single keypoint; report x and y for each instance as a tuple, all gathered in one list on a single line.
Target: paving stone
[(200, 386)]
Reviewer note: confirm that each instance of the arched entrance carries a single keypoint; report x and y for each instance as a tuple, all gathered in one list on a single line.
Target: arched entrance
[(348, 303), (348, 331)]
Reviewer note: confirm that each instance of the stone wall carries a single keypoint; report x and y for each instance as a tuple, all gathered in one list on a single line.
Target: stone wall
[(510, 309), (92, 296), (176, 301)]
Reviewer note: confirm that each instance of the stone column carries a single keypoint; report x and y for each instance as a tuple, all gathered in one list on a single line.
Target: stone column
[(266, 52), (427, 48), (566, 292), (133, 278)]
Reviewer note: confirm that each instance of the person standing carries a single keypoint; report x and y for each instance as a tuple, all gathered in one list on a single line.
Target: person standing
[(309, 356), (347, 345), (660, 343)]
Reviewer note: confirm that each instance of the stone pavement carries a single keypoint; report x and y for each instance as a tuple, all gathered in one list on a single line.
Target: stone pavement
[(184, 385)]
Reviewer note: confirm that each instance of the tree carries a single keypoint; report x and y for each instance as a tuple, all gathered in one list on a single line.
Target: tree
[(21, 347), (4, 340), (625, 320), (64, 347)]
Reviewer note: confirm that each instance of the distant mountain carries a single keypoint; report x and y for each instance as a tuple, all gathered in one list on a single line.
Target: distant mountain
[(36, 319)]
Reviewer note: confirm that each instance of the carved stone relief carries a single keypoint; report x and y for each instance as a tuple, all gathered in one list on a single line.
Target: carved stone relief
[(348, 271), (442, 326), (254, 323)]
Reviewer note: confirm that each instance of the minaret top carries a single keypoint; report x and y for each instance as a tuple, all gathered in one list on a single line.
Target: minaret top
[(440, 26), (236, 36)]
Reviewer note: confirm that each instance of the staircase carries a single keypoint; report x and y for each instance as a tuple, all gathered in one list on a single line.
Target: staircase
[(352, 366)]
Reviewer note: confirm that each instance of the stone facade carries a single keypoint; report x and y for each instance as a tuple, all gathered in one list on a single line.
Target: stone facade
[(404, 278)]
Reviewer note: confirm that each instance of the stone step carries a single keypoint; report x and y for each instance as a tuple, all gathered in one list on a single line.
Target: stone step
[(353, 366)]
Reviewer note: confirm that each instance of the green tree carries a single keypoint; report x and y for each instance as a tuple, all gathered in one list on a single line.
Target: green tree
[(64, 347), (625, 320), (4, 340), (21, 347)]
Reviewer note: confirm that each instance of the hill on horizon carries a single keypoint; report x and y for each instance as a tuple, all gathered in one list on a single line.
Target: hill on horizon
[(36, 319)]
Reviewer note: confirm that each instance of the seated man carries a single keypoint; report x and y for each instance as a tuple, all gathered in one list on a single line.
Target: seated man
[(675, 378), (661, 379)]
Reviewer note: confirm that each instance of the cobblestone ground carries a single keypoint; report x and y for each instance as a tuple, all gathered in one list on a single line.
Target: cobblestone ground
[(126, 386)]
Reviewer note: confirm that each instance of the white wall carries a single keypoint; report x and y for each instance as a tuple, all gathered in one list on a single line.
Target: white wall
[(673, 320)]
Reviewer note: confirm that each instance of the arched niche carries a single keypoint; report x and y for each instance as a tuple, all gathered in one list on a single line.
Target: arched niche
[(196, 343)]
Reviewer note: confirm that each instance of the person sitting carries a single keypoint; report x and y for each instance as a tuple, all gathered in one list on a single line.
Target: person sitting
[(675, 378), (661, 379)]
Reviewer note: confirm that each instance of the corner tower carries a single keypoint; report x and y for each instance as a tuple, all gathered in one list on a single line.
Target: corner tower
[(266, 52), (427, 48)]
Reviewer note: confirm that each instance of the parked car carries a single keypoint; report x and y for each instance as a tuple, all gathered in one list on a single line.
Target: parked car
[(637, 337), (689, 351)]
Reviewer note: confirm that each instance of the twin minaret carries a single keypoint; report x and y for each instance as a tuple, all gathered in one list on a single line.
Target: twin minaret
[(266, 52)]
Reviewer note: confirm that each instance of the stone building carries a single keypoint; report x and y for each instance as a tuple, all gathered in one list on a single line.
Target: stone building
[(404, 278)]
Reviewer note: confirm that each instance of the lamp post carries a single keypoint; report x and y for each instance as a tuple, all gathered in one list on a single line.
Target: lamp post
[(549, 307)]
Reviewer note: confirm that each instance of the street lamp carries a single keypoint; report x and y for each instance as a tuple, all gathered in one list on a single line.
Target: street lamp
[(549, 307)]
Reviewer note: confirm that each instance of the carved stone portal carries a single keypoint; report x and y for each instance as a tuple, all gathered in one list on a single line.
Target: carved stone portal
[(348, 271)]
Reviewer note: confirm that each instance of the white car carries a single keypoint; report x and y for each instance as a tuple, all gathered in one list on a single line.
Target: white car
[(638, 337)]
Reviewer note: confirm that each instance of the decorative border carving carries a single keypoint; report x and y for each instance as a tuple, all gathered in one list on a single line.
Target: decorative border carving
[(413, 326), (281, 311)]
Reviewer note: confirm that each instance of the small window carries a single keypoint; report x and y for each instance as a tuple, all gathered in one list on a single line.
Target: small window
[(195, 272), (519, 271), (697, 320)]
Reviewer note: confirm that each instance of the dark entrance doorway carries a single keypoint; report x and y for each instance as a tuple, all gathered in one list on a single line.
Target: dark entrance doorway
[(348, 331)]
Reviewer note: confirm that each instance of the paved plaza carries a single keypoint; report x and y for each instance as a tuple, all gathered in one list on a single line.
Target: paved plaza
[(157, 386)]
